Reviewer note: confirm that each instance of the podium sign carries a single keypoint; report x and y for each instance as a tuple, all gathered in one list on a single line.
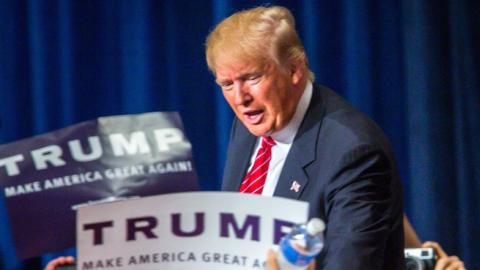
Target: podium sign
[(191, 230)]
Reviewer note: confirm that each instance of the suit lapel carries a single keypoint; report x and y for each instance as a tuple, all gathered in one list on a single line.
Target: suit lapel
[(242, 151), (293, 177)]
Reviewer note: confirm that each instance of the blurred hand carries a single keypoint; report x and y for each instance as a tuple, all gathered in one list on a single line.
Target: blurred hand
[(273, 265), (444, 262), (52, 265)]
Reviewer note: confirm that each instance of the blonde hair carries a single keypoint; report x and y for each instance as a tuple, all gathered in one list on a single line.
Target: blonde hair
[(258, 34)]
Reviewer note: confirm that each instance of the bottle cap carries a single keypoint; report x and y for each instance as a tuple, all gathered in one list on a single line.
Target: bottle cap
[(315, 226)]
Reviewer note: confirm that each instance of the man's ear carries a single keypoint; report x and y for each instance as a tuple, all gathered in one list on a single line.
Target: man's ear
[(297, 71)]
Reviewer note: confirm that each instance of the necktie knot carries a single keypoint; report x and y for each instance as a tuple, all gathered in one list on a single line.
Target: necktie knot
[(268, 142)]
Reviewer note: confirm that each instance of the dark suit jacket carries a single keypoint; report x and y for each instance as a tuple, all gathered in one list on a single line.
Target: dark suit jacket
[(348, 175)]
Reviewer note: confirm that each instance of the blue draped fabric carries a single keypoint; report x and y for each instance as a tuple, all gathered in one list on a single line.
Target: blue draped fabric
[(412, 65)]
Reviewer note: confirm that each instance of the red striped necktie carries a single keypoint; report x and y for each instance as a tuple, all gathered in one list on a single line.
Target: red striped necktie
[(255, 178)]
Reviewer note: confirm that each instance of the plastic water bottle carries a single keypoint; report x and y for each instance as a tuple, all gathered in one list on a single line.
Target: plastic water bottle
[(298, 248)]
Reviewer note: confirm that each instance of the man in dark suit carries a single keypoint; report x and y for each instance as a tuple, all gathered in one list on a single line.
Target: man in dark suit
[(319, 148), (322, 150)]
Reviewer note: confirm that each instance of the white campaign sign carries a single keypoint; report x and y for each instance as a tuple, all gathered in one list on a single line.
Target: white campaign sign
[(191, 230)]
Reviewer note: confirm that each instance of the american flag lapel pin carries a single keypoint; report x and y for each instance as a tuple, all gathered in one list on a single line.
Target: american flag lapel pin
[(295, 186)]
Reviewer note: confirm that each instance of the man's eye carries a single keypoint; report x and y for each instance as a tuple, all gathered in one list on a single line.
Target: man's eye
[(254, 78), (226, 86)]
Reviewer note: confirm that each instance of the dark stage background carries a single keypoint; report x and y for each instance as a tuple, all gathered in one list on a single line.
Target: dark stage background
[(412, 65)]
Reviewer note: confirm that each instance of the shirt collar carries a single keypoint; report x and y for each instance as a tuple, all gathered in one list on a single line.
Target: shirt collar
[(287, 134)]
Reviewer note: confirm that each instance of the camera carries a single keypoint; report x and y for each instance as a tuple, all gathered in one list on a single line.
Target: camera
[(420, 258)]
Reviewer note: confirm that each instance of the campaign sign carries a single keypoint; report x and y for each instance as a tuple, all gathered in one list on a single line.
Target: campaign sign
[(190, 230), (112, 158)]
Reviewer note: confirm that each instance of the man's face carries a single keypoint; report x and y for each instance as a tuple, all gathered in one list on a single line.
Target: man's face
[(263, 96)]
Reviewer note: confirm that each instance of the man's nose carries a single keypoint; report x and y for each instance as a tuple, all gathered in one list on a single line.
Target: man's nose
[(241, 93)]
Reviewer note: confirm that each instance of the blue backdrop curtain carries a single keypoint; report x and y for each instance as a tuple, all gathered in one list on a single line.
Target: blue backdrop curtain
[(412, 65)]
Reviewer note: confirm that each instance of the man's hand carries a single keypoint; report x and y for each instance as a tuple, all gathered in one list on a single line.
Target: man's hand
[(444, 262), (52, 265), (273, 265)]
